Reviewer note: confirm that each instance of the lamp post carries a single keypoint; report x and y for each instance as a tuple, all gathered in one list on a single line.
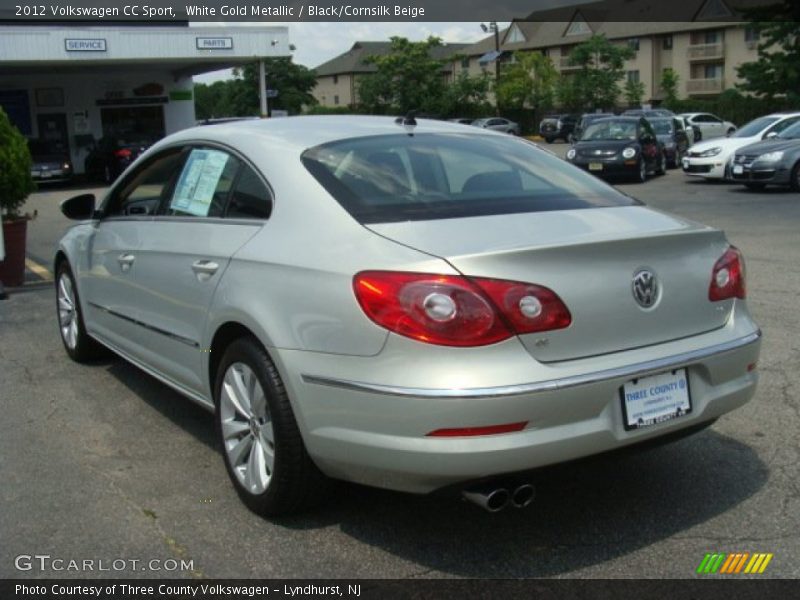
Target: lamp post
[(492, 26)]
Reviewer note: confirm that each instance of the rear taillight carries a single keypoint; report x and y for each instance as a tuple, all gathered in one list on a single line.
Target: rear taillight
[(122, 153), (451, 310), (727, 278)]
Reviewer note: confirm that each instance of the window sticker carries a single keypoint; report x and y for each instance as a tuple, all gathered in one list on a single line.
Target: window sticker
[(198, 182)]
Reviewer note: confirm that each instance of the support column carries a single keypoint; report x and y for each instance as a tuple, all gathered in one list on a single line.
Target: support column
[(262, 89)]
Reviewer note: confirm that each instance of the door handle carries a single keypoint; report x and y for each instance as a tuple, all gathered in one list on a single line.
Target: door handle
[(125, 261), (204, 269)]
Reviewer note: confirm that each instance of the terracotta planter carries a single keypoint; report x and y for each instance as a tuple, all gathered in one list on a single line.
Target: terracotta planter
[(12, 269)]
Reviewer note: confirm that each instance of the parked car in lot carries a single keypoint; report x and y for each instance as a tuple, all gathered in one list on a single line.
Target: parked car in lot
[(619, 146), (708, 126), (711, 159), (691, 132), (111, 155), (450, 308), (557, 127), (774, 161), (48, 164), (461, 121), (672, 137), (648, 113), (498, 124), (585, 121)]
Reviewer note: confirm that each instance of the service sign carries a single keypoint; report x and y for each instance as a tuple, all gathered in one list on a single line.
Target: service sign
[(85, 45), (214, 43)]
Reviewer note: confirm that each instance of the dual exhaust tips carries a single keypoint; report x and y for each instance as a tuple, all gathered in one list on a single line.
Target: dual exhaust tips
[(495, 499)]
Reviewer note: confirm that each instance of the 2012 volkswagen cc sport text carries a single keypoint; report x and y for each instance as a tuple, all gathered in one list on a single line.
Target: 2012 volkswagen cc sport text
[(413, 305)]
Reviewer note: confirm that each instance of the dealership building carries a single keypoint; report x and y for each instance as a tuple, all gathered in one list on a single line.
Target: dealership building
[(71, 85)]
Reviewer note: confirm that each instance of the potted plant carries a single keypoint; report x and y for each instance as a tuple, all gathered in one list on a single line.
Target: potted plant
[(15, 186)]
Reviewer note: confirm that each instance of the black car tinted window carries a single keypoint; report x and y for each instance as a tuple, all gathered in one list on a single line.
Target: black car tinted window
[(439, 176)]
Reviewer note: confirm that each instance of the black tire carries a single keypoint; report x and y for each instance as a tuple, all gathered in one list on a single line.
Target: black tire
[(756, 187), (794, 182), (731, 131), (86, 348), (549, 140), (661, 169), (698, 135), (641, 171), (295, 483)]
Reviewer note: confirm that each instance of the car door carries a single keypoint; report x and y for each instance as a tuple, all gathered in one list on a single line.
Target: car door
[(107, 277), (716, 125), (185, 251), (680, 136), (649, 144)]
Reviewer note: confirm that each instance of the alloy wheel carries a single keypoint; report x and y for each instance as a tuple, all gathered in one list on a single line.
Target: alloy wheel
[(67, 314), (247, 431)]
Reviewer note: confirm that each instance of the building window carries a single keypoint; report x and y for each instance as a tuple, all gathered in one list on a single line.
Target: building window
[(666, 42), (633, 76), (751, 34), (713, 71), (335, 79), (578, 27), (633, 44), (336, 100), (465, 62), (713, 37)]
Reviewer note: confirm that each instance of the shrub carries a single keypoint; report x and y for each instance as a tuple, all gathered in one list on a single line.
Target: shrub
[(15, 169)]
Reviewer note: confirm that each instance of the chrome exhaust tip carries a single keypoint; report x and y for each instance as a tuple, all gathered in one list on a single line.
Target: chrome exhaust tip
[(491, 500), (523, 495)]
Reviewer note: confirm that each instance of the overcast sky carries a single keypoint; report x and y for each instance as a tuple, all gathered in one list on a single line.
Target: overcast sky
[(319, 42)]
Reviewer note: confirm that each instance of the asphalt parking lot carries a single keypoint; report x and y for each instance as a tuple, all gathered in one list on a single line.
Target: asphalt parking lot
[(103, 462)]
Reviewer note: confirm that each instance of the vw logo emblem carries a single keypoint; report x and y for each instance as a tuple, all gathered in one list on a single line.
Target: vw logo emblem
[(645, 288)]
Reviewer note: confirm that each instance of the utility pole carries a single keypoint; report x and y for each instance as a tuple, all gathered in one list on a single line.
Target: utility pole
[(262, 88)]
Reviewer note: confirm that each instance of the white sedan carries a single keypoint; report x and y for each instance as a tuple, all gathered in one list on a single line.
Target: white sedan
[(707, 126), (711, 159)]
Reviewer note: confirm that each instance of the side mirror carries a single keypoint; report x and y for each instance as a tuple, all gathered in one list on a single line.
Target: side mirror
[(770, 135), (79, 208)]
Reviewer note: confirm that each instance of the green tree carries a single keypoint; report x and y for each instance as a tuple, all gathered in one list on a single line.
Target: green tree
[(669, 87), (527, 82), (293, 83), (569, 93), (15, 169), (634, 92), (407, 78), (777, 70), (466, 97), (602, 66)]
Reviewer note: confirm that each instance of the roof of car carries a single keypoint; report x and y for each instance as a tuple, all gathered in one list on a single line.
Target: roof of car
[(309, 131)]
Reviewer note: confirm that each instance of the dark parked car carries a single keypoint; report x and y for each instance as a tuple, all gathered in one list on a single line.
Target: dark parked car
[(557, 126), (774, 161), (673, 138), (49, 164), (461, 121), (648, 113), (619, 146), (585, 121), (112, 155), (498, 124)]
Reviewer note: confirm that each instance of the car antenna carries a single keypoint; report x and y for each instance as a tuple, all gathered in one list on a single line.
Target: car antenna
[(408, 122)]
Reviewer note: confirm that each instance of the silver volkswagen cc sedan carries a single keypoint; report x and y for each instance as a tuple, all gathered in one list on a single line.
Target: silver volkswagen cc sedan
[(408, 305)]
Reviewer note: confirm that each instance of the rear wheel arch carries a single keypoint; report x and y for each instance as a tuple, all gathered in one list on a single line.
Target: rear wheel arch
[(224, 336)]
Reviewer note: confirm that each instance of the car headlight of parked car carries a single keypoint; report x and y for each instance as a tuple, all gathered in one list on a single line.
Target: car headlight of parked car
[(711, 152), (629, 153), (771, 156), (571, 153)]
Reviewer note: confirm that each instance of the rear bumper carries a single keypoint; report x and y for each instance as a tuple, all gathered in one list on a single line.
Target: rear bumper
[(364, 427)]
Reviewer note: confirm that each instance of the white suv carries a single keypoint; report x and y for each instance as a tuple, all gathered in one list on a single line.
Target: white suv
[(711, 158)]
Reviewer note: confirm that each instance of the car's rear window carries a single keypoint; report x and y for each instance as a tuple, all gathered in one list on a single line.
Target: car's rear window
[(425, 176)]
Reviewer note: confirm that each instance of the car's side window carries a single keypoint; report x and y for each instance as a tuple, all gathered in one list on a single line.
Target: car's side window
[(781, 125), (141, 193), (204, 184), (250, 199)]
